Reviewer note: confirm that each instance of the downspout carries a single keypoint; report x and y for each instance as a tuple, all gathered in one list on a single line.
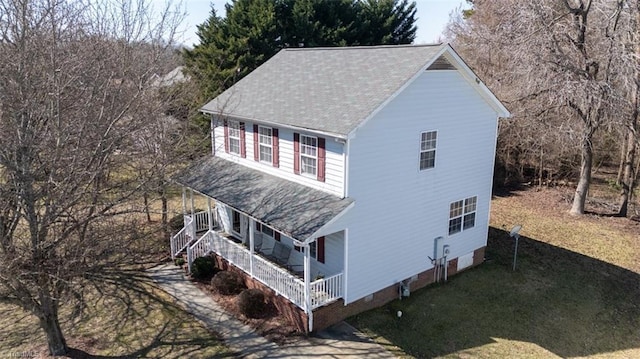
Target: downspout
[(307, 286), (213, 135), (346, 266), (345, 155)]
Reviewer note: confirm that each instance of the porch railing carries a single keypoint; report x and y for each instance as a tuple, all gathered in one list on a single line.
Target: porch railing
[(192, 225), (202, 221), (280, 280), (326, 290), (200, 248), (181, 240), (323, 291)]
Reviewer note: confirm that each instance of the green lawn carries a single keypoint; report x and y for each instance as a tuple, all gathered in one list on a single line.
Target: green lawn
[(558, 303), (126, 324)]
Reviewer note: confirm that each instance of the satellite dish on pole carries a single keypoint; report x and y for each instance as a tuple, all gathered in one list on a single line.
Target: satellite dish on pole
[(515, 230), (515, 233)]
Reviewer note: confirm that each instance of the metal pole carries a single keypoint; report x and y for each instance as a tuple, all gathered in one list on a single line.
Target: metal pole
[(515, 252)]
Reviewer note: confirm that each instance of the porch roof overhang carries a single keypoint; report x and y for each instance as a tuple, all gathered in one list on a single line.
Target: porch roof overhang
[(291, 208)]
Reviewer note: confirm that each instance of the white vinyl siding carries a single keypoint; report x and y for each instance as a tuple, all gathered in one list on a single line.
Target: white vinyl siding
[(334, 159), (265, 140), (399, 210)]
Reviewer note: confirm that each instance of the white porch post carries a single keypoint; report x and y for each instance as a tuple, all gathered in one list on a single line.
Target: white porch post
[(307, 285), (184, 204), (251, 251), (209, 213), (192, 206)]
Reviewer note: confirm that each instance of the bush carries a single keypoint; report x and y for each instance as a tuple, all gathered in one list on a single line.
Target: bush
[(228, 283), (180, 261), (203, 267), (251, 303)]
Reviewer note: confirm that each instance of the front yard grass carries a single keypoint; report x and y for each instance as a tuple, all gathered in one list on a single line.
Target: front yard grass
[(129, 322), (574, 294)]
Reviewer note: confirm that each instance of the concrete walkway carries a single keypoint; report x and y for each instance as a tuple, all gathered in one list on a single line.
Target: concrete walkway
[(340, 341)]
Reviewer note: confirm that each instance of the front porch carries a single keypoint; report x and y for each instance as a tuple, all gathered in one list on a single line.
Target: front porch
[(300, 282)]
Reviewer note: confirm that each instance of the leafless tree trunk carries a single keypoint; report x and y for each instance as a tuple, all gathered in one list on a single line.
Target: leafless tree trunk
[(631, 131), (74, 97), (556, 63)]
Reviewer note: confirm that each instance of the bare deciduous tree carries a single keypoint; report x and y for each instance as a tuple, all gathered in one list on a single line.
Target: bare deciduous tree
[(73, 98), (559, 64)]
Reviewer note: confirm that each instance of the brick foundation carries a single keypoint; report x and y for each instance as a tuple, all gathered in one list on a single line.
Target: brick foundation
[(335, 312)]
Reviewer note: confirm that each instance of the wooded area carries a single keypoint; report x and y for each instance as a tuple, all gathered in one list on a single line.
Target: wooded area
[(569, 72)]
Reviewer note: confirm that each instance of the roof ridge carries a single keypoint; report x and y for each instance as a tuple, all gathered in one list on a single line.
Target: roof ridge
[(361, 47)]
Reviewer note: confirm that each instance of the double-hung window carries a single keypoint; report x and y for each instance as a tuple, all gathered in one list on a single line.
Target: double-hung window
[(309, 155), (462, 215), (428, 149), (265, 139), (234, 137)]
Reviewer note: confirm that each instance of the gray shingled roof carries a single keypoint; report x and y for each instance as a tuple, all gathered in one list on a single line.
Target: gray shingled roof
[(293, 209), (324, 89)]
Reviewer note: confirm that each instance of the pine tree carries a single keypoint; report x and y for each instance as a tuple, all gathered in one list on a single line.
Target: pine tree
[(254, 30)]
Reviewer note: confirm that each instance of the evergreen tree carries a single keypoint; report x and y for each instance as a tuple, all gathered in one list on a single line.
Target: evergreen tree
[(254, 30)]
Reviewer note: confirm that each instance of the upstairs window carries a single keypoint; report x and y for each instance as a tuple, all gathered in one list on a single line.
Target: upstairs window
[(234, 137), (265, 140), (428, 150), (266, 145), (309, 155), (462, 215)]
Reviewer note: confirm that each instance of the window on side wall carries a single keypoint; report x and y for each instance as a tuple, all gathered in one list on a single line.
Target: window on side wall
[(309, 155), (234, 137), (462, 215), (265, 139), (428, 149)]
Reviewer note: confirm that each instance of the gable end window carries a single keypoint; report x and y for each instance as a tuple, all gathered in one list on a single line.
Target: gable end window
[(462, 215), (428, 149)]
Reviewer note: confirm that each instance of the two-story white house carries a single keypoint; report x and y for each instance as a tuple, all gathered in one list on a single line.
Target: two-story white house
[(342, 178)]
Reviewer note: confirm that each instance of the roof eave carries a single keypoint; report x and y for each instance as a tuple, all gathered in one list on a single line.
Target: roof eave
[(382, 105), (475, 81), (274, 124)]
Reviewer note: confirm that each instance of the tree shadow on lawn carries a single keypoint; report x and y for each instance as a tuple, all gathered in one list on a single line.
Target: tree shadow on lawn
[(126, 316), (562, 301)]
